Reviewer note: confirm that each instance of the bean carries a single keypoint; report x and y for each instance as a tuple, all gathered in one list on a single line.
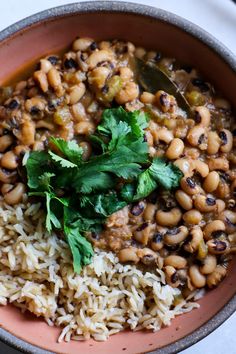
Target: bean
[(147, 256), (204, 204), (175, 261), (189, 186), (217, 246), (185, 165), (147, 98), (98, 76), (6, 187), (99, 56), (45, 65), (219, 163), (149, 212), (175, 149), (166, 102), (223, 189), (172, 276), (198, 279), (84, 128), (184, 200), (87, 150), (195, 135), (157, 241), (126, 74), (15, 195), (220, 205), (196, 237), (128, 255), (41, 77), (213, 144), (216, 276), (82, 44), (7, 176), (9, 160), (43, 124), (168, 218), (77, 92), (54, 78), (162, 134), (35, 105), (208, 264), (200, 167), (212, 227), (226, 140), (139, 52), (202, 116), (27, 132), (192, 217), (211, 182), (5, 142), (229, 219), (176, 235), (143, 233), (128, 93)]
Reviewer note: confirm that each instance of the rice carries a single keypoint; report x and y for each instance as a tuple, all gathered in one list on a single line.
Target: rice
[(36, 274)]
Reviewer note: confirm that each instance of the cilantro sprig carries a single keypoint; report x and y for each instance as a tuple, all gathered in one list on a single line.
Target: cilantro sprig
[(79, 195)]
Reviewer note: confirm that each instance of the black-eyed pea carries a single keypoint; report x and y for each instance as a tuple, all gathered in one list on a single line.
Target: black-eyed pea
[(220, 206), (20, 150), (54, 78), (15, 195), (197, 278), (226, 138), (185, 165), (36, 104), (128, 93), (196, 237), (76, 92), (223, 189), (202, 116), (189, 186), (82, 44), (166, 102), (98, 76), (45, 65), (218, 163), (213, 143), (163, 135), (87, 150), (44, 124), (84, 128), (78, 112), (157, 241), (27, 136), (128, 255), (176, 235), (213, 228), (232, 187), (192, 217), (216, 276), (229, 219), (7, 176), (175, 261), (175, 149), (41, 78), (208, 264), (149, 212), (200, 167), (5, 142), (172, 276), (197, 136), (232, 238), (217, 246), (204, 204), (211, 182), (6, 187), (147, 256), (126, 74), (168, 218), (9, 160), (144, 233), (147, 98), (139, 52), (99, 56), (184, 199)]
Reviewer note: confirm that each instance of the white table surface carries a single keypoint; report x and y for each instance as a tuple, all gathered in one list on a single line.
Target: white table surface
[(217, 17)]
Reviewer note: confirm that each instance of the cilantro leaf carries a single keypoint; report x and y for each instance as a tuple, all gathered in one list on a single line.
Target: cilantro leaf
[(70, 149), (165, 173), (63, 162), (37, 164)]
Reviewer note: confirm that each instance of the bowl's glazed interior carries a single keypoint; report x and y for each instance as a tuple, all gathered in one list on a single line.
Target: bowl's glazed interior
[(49, 36)]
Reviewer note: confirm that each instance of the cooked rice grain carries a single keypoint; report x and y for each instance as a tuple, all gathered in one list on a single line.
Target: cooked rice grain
[(36, 274)]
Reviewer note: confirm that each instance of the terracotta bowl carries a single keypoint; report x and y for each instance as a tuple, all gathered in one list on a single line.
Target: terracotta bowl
[(54, 29)]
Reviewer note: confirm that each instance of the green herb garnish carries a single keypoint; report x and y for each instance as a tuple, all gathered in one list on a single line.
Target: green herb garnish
[(79, 195)]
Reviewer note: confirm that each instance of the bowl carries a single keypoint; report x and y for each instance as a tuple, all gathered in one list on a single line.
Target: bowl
[(49, 32)]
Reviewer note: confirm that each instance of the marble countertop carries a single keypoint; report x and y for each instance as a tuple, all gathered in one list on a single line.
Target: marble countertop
[(215, 16)]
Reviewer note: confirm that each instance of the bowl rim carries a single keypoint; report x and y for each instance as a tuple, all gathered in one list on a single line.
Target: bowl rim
[(185, 25)]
